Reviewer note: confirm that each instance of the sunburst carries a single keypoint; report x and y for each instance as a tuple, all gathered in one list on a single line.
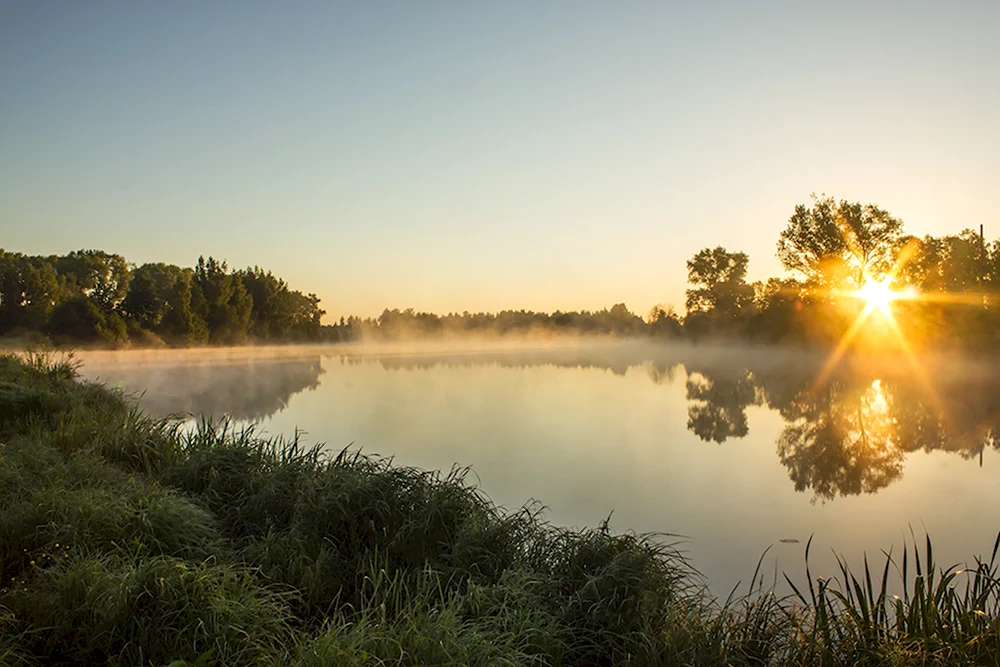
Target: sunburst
[(878, 296)]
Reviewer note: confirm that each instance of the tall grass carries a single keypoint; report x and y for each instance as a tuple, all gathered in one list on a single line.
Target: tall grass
[(136, 610), (125, 540), (944, 615)]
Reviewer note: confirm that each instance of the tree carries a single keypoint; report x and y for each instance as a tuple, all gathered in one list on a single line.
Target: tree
[(29, 287), (839, 244), (279, 312), (80, 319), (778, 311), (620, 320), (305, 315), (719, 284), (664, 321), (102, 276), (270, 318), (145, 303), (159, 300), (947, 264), (221, 300)]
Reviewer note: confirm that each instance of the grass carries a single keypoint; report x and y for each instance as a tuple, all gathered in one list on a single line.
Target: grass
[(126, 541)]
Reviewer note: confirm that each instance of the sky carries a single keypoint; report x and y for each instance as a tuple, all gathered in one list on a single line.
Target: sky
[(452, 156)]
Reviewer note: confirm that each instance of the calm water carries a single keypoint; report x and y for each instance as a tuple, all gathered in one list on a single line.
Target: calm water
[(735, 450)]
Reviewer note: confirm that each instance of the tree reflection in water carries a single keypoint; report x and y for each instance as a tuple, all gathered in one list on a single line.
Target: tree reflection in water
[(840, 440), (718, 403), (851, 434), (848, 436), (248, 389)]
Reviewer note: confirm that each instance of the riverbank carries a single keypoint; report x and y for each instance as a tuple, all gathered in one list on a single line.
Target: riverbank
[(124, 540)]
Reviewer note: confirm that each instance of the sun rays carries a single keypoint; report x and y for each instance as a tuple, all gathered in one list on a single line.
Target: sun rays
[(878, 295)]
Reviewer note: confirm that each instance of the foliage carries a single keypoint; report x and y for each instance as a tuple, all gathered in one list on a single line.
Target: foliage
[(665, 322), (837, 243), (833, 248), (101, 276), (720, 296), (93, 298)]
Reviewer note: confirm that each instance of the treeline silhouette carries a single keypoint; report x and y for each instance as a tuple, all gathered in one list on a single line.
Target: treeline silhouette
[(945, 292), (393, 325), (92, 297), (948, 288), (945, 288)]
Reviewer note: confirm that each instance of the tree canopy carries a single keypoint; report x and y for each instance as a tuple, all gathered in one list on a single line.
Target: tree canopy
[(839, 243)]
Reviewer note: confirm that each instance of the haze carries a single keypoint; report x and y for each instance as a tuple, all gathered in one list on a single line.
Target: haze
[(449, 157)]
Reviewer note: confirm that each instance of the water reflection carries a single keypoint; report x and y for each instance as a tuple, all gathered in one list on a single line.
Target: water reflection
[(247, 389), (849, 436), (840, 440), (717, 402)]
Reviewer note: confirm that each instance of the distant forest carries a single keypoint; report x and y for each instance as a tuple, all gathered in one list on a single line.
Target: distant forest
[(943, 290)]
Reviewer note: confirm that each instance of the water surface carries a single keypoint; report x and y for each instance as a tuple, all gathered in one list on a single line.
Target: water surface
[(735, 450)]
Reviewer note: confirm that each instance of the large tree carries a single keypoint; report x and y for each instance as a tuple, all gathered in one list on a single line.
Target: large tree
[(719, 287), (839, 244), (102, 276)]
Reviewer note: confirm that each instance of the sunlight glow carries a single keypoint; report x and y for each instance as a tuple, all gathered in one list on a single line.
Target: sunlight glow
[(878, 295), (878, 401)]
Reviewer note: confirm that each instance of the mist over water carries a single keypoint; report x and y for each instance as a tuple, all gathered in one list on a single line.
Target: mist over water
[(736, 449)]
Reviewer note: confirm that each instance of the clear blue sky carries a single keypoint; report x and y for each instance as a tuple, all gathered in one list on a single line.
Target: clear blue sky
[(467, 155)]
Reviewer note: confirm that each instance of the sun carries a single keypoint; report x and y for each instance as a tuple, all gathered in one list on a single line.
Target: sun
[(877, 295)]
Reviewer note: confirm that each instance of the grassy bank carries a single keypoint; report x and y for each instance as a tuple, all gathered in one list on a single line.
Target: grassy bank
[(126, 541)]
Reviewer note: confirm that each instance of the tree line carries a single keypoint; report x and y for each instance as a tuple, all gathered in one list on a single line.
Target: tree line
[(830, 249), (946, 287), (396, 324), (92, 297)]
